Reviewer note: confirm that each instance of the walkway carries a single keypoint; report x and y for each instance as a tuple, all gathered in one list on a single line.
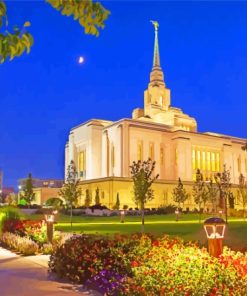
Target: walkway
[(27, 276)]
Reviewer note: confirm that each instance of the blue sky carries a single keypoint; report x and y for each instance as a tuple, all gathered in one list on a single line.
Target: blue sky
[(203, 49)]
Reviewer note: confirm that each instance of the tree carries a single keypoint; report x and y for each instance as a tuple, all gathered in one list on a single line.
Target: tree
[(142, 174), (179, 193), (242, 192), (71, 190), (117, 205), (27, 193), (88, 199), (97, 199), (224, 185), (200, 192), (212, 194), (90, 15)]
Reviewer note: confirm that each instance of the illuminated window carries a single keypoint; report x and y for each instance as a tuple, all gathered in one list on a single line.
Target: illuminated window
[(82, 161), (161, 155), (203, 160), (208, 161), (151, 151), (139, 150), (239, 164), (113, 156), (217, 162), (193, 159), (198, 159), (246, 165), (213, 161)]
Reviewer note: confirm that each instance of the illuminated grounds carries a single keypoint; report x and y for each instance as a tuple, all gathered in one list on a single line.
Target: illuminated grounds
[(153, 264), (188, 227)]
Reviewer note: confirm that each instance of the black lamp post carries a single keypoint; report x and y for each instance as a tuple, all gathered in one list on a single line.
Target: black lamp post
[(215, 231)]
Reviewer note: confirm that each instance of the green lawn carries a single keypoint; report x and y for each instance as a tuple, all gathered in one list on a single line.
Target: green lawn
[(188, 227)]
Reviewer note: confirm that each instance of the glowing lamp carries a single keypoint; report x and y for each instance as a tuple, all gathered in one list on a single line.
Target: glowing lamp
[(49, 214), (215, 231)]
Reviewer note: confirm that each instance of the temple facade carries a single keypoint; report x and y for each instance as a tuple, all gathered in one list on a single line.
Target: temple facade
[(103, 150)]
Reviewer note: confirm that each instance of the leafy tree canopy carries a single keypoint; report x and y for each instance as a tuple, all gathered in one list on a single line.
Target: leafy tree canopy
[(179, 193), (90, 15), (27, 193)]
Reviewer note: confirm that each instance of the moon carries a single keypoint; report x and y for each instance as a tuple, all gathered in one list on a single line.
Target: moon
[(81, 60)]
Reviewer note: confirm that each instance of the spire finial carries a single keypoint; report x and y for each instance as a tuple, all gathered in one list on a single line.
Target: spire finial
[(156, 59)]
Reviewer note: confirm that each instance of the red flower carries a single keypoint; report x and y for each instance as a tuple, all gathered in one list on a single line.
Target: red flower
[(134, 264), (156, 243)]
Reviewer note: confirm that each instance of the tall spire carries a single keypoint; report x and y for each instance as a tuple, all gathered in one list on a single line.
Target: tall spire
[(156, 59), (156, 75)]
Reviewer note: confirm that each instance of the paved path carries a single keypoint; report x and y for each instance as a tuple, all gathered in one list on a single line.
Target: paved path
[(27, 276)]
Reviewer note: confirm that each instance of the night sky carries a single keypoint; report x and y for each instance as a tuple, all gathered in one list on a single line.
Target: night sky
[(203, 49)]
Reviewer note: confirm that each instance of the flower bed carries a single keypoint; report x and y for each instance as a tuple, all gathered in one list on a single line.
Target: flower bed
[(29, 237), (140, 265)]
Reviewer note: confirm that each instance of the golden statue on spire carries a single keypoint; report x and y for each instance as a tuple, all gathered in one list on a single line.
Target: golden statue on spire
[(156, 25)]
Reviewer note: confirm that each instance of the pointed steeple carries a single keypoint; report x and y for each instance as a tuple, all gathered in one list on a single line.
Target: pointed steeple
[(156, 75), (156, 59)]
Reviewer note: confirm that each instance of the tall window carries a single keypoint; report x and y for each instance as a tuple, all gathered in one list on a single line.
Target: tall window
[(213, 161), (113, 156), (139, 150), (239, 164), (204, 160), (82, 163), (161, 155), (194, 159), (246, 165), (217, 162), (198, 159), (208, 162), (151, 151)]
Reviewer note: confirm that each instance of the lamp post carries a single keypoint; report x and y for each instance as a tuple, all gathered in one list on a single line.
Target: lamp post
[(122, 214), (49, 219), (215, 230)]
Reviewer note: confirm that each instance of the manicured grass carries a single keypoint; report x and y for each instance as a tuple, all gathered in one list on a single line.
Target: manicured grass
[(188, 227)]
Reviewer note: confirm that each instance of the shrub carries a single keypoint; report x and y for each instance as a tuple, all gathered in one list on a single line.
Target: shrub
[(13, 225), (47, 249), (139, 265), (20, 244)]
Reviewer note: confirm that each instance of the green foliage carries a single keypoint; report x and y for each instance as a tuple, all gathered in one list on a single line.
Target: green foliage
[(140, 265), (27, 192), (71, 190), (179, 193), (24, 245), (54, 202), (223, 181), (97, 199), (12, 44), (90, 15), (213, 193), (88, 199), (242, 192), (142, 174), (200, 190)]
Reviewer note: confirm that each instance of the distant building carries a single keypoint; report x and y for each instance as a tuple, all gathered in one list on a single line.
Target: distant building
[(44, 189), (42, 183), (103, 150)]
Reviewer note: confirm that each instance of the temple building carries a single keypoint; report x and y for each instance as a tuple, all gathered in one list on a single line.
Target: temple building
[(103, 150)]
